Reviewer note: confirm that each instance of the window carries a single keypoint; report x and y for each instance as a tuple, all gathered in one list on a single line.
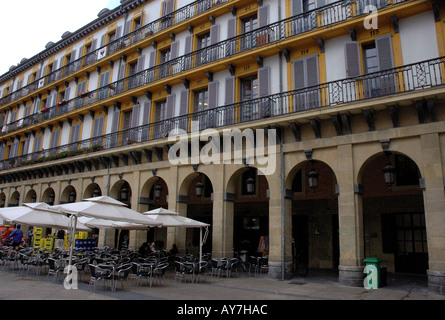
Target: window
[(165, 57), (248, 91), (305, 82), (203, 42), (377, 56), (247, 25), (201, 100), (131, 72), (160, 114)]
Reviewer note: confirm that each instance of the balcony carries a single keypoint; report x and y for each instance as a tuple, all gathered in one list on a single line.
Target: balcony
[(391, 83), (321, 17), (227, 49), (147, 31)]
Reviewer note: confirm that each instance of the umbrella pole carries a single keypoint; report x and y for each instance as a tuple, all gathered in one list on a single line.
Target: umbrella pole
[(200, 244), (73, 240)]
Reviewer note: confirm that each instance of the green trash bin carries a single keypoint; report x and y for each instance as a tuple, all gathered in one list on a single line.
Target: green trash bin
[(372, 280)]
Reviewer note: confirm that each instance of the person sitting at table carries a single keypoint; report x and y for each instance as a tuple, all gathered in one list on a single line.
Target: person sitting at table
[(173, 250), (153, 247), (144, 249)]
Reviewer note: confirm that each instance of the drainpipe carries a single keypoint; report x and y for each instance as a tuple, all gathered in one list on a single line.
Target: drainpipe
[(283, 212)]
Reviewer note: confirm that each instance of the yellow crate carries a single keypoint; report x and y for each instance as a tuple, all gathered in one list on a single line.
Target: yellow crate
[(83, 235)]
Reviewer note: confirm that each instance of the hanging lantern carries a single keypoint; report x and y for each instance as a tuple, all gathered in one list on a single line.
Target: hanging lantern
[(96, 192), (388, 175), (313, 179), (250, 186), (124, 193), (51, 198), (72, 196), (199, 187), (158, 191)]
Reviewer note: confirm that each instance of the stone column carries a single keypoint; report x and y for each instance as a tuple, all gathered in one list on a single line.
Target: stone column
[(434, 202), (350, 221), (222, 221), (280, 232)]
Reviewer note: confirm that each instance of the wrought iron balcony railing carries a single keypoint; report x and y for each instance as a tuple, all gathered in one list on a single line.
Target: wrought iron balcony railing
[(305, 22), (272, 33), (123, 42), (418, 76)]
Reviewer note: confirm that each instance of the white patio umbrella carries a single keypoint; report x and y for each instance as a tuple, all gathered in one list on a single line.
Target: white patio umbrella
[(39, 215), (170, 218), (110, 224), (106, 208)]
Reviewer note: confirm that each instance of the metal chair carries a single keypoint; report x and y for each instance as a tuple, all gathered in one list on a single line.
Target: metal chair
[(54, 268)]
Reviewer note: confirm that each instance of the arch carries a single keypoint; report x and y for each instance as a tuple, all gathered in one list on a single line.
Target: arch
[(196, 207), (30, 197), (49, 196), (314, 215), (14, 199), (92, 190), (2, 199), (390, 157), (394, 215), (117, 189), (68, 195), (149, 197)]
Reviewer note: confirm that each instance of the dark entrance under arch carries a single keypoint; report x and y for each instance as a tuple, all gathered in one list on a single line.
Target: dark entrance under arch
[(394, 216)]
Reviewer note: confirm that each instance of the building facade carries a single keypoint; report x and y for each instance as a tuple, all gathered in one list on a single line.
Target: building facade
[(315, 124)]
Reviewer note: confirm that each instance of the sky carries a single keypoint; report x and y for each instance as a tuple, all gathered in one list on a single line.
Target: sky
[(26, 26)]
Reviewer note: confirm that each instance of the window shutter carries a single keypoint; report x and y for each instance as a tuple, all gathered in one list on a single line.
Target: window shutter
[(54, 68), (48, 104), (298, 74), (96, 127), (170, 6), (296, 7), (170, 104), (55, 138), (141, 63), (121, 71), (152, 61), (36, 105), (230, 91), (213, 94), (188, 44), (312, 71), (135, 115), (75, 130), (352, 54), (146, 114), (231, 28), (37, 144), (27, 113), (321, 3), (174, 50), (115, 123), (384, 49), (102, 41), (25, 149), (184, 107), (264, 81), (127, 28), (118, 32), (67, 94), (214, 34), (231, 32), (263, 16)]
